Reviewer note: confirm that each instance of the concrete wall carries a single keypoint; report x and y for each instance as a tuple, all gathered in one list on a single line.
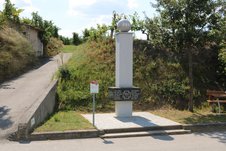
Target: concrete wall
[(37, 113), (32, 35)]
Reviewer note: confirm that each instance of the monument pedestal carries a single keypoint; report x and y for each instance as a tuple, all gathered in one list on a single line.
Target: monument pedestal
[(123, 108)]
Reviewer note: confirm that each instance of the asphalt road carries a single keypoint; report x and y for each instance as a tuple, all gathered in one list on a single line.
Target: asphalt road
[(18, 95), (190, 142)]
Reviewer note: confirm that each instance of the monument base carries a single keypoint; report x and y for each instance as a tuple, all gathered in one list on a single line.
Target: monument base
[(124, 108)]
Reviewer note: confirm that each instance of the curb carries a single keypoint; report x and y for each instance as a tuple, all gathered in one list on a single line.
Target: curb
[(146, 133), (94, 133), (39, 136), (205, 127)]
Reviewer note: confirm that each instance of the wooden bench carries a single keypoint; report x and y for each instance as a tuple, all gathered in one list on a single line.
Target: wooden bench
[(216, 97)]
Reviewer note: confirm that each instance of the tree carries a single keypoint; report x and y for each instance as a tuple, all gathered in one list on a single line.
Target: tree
[(48, 29), (188, 24), (75, 39), (2, 19), (11, 12), (138, 24), (66, 40), (36, 20), (95, 33), (86, 34), (26, 21), (115, 18)]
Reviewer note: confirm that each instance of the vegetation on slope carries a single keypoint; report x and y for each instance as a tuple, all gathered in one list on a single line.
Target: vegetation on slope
[(16, 53), (91, 61), (160, 75)]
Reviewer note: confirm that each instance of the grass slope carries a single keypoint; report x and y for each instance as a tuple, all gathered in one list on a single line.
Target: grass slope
[(16, 53)]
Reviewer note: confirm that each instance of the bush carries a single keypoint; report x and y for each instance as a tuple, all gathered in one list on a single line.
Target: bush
[(160, 76), (16, 53), (54, 46), (215, 108)]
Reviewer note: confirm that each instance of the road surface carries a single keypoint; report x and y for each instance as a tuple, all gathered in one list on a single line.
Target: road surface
[(190, 142), (18, 95)]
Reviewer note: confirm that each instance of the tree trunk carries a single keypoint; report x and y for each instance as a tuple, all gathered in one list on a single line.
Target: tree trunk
[(190, 62), (112, 32), (147, 37)]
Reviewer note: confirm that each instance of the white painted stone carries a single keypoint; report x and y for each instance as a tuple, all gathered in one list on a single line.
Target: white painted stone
[(124, 60), (124, 71)]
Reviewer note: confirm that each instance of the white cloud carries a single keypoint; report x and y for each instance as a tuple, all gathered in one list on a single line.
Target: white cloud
[(26, 5), (1, 4), (66, 32), (75, 6), (101, 19), (133, 4), (78, 3)]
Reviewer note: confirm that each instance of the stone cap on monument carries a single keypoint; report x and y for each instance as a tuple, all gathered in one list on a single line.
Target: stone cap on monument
[(124, 25)]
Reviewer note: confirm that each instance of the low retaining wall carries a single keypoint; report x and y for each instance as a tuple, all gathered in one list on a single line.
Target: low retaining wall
[(39, 111)]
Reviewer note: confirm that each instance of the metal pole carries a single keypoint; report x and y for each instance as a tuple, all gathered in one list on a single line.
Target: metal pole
[(94, 109)]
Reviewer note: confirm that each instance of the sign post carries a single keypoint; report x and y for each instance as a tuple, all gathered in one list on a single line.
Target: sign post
[(94, 89)]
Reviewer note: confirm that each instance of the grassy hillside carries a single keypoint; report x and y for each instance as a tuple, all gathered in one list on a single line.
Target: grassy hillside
[(16, 54), (161, 74), (91, 61), (161, 79)]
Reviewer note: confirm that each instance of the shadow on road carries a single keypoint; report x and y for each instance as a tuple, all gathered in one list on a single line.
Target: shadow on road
[(220, 135), (163, 137), (107, 142), (5, 122)]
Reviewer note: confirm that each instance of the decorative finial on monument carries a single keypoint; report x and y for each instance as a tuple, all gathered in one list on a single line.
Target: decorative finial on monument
[(124, 25)]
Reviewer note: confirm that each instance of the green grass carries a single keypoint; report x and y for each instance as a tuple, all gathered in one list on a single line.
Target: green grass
[(65, 120), (69, 48), (186, 117)]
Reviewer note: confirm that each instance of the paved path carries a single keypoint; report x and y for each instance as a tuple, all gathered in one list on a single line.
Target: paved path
[(139, 119), (17, 96), (191, 142)]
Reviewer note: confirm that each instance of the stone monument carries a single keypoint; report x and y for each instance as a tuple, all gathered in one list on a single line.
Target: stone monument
[(124, 93)]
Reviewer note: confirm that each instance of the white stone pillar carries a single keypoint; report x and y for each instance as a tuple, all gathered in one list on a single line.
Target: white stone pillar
[(124, 70)]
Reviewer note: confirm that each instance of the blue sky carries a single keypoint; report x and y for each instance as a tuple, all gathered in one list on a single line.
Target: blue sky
[(76, 15)]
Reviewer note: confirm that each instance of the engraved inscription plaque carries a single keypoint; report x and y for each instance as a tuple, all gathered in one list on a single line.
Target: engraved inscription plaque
[(124, 94)]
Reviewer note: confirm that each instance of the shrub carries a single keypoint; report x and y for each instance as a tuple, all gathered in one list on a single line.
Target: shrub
[(54, 45)]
